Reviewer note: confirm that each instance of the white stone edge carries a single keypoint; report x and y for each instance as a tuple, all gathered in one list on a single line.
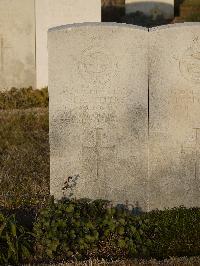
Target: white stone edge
[(175, 25), (96, 24)]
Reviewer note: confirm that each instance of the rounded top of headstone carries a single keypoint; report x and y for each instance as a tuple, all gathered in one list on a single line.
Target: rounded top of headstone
[(95, 24)]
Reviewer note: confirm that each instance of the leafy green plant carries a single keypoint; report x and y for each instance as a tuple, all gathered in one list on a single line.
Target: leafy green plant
[(15, 241), (84, 229)]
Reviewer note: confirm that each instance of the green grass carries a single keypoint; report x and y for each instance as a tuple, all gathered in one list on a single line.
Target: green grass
[(24, 147), (24, 156), (172, 262)]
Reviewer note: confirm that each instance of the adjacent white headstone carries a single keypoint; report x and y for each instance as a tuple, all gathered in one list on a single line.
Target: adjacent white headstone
[(149, 7), (98, 87), (51, 13), (174, 104), (23, 36), (17, 43)]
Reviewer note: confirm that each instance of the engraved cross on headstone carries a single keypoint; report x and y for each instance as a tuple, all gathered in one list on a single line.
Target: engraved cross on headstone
[(3, 47), (98, 148)]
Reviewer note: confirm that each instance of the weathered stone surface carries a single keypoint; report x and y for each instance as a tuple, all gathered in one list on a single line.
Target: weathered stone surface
[(174, 128), (17, 43), (98, 87), (149, 7), (51, 13)]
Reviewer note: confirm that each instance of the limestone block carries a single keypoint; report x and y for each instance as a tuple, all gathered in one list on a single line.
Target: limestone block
[(174, 117), (51, 13), (17, 43), (149, 7), (98, 87)]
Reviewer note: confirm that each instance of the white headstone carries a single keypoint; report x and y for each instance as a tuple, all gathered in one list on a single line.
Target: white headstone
[(51, 13), (98, 87), (149, 7), (23, 36), (174, 104), (17, 43)]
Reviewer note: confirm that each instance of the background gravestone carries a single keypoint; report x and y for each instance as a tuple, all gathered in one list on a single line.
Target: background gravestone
[(174, 146), (17, 43), (59, 13), (98, 87), (151, 7)]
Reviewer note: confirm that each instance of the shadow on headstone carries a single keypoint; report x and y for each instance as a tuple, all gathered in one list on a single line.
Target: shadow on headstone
[(133, 209)]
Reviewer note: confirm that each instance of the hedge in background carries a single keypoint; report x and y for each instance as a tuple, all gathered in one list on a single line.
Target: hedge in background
[(24, 98), (84, 229)]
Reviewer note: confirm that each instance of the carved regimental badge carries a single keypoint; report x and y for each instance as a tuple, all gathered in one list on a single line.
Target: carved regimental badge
[(96, 65), (190, 62)]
